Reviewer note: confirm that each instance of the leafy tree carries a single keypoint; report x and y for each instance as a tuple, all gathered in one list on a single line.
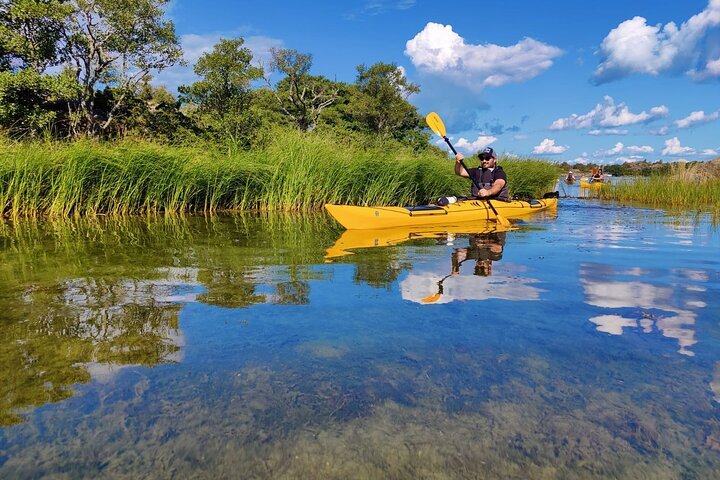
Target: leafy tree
[(223, 95), (383, 107), (301, 96), (32, 104), (30, 32), (116, 43)]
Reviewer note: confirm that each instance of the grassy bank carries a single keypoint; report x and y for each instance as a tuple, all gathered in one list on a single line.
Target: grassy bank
[(293, 172), (696, 187)]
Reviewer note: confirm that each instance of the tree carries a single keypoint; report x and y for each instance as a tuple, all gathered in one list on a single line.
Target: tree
[(301, 96), (223, 95), (383, 107), (116, 43), (30, 31)]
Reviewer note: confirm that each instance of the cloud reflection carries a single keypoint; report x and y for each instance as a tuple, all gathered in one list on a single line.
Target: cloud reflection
[(668, 309)]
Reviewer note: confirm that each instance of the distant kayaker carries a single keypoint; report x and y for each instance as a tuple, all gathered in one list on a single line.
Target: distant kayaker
[(570, 178), (489, 176)]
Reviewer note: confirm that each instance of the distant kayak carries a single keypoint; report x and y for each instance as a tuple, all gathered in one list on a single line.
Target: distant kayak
[(596, 185), (470, 210)]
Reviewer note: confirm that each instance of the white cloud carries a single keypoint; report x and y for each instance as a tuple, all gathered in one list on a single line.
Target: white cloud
[(520, 136), (662, 131), (640, 149), (608, 131), (548, 147), (194, 46), (631, 158), (609, 153), (708, 152), (608, 114), (620, 148), (636, 47), (481, 141), (696, 118), (438, 50), (673, 147), (583, 158)]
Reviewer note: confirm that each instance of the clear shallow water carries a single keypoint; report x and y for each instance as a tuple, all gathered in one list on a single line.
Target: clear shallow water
[(579, 345)]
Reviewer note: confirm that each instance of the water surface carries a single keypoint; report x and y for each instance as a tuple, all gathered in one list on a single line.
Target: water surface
[(579, 345)]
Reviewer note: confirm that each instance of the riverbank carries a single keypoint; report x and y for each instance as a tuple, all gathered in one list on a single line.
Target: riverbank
[(293, 172), (694, 188)]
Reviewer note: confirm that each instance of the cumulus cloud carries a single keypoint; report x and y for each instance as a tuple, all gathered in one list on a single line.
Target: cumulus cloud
[(673, 147), (609, 114), (608, 131), (583, 158), (636, 47), (481, 141), (194, 46), (631, 158), (709, 152), (548, 147), (620, 148), (640, 149), (696, 118), (438, 50), (613, 151)]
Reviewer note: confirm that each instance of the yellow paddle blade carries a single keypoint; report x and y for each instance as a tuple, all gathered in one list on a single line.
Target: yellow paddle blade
[(435, 123), (432, 298)]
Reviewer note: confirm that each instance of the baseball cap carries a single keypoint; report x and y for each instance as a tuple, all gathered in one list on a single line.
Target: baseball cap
[(487, 153)]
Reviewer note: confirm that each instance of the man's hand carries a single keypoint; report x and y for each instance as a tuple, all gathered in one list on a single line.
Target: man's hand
[(459, 157), (482, 193)]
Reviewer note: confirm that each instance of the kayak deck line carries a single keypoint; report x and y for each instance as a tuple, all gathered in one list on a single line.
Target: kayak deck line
[(470, 210)]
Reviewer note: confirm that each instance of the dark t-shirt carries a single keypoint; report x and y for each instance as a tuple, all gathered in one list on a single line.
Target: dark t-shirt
[(485, 178)]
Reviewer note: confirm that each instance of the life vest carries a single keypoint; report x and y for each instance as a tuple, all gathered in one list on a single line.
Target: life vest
[(486, 178)]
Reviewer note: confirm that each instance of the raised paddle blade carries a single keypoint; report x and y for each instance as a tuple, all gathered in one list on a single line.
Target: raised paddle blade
[(435, 123)]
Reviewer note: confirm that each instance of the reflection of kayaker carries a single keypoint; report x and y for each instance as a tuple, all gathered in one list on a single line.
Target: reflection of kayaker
[(483, 248)]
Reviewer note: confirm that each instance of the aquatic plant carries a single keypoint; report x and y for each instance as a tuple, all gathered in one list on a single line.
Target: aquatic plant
[(694, 187), (293, 172)]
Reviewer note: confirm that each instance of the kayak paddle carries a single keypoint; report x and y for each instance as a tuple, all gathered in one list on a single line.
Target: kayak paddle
[(436, 125)]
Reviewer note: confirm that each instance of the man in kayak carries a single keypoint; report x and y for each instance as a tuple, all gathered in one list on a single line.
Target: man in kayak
[(489, 176)]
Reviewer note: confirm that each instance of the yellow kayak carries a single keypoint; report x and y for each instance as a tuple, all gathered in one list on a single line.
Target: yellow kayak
[(470, 210), (383, 237), (584, 183)]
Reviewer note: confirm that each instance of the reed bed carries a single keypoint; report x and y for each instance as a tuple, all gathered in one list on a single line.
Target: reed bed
[(294, 172), (694, 188)]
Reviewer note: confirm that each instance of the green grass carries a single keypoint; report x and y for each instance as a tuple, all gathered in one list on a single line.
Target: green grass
[(294, 172), (686, 188)]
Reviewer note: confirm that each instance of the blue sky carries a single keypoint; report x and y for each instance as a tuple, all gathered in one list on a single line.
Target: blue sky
[(578, 80)]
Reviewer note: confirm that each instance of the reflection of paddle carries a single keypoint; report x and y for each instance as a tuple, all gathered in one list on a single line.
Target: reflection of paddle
[(436, 125), (436, 296)]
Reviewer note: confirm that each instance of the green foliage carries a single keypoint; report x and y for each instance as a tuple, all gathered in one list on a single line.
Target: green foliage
[(293, 172), (301, 97), (527, 177), (685, 186), (382, 105), (222, 96), (32, 104), (30, 32)]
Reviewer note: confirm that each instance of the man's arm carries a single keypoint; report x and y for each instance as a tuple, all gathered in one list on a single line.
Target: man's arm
[(459, 170)]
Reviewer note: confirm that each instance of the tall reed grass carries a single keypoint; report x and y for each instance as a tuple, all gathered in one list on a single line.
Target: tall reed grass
[(294, 172), (695, 187)]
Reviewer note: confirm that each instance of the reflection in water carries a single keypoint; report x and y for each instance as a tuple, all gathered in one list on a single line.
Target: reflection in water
[(669, 310), (251, 354), (484, 249), (71, 315)]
